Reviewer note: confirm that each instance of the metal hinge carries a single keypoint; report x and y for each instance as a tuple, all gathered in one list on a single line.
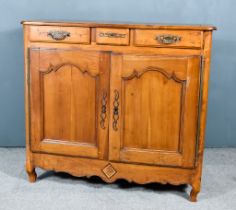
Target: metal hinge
[(28, 67), (199, 105)]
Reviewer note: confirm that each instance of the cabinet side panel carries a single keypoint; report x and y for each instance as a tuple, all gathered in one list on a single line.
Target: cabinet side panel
[(196, 181)]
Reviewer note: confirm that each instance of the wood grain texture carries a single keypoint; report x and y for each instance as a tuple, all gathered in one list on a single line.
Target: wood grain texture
[(68, 121), (122, 25), (29, 164), (189, 39), (65, 95), (120, 49), (117, 109), (76, 34), (133, 173), (158, 97), (196, 179), (112, 36)]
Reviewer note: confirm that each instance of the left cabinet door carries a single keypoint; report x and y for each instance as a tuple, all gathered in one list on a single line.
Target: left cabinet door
[(68, 99)]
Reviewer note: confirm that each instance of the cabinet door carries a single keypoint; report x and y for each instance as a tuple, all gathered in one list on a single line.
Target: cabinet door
[(154, 109), (68, 92)]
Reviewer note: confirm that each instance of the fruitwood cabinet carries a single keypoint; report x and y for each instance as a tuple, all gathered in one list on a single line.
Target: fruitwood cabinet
[(119, 101)]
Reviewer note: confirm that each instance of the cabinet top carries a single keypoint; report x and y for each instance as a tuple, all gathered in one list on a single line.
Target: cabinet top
[(123, 25)]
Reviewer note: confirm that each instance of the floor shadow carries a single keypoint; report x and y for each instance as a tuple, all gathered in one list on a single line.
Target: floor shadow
[(97, 182), (219, 165)]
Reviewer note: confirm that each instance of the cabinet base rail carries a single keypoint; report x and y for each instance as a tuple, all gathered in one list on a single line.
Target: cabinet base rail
[(109, 172)]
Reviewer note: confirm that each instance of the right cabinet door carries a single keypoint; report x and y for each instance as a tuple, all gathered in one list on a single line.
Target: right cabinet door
[(154, 109)]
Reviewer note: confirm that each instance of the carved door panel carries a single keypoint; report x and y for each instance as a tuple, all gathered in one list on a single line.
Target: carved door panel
[(154, 109), (68, 99)]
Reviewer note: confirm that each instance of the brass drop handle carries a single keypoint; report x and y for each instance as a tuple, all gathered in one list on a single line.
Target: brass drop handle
[(58, 35), (111, 35), (103, 114), (168, 38), (115, 110)]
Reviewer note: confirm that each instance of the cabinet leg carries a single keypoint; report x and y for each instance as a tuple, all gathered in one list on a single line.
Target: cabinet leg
[(32, 176), (195, 190)]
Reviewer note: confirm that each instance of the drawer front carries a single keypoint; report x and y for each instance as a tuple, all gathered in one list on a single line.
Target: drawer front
[(112, 36), (167, 38), (60, 34)]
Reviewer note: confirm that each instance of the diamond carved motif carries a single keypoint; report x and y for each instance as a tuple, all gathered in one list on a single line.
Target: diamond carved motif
[(109, 171)]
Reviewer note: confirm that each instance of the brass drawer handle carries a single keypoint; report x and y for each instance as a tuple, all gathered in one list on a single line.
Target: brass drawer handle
[(112, 35), (58, 35), (168, 38), (115, 110), (103, 114)]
